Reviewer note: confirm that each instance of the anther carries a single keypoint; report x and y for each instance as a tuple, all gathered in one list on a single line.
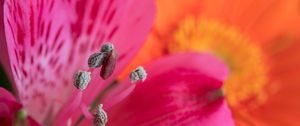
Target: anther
[(138, 74), (107, 47), (81, 79), (109, 64), (100, 116), (96, 59)]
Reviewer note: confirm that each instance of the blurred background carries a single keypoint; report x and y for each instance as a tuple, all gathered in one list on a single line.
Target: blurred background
[(259, 40)]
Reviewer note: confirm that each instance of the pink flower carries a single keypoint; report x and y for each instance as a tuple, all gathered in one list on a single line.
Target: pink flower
[(48, 41)]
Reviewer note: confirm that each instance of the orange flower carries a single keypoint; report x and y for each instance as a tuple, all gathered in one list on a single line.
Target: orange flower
[(256, 38)]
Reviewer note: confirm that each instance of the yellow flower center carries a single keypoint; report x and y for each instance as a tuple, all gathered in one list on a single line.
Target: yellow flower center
[(248, 72)]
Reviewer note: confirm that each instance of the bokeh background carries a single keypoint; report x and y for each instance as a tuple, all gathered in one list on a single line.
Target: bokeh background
[(258, 40)]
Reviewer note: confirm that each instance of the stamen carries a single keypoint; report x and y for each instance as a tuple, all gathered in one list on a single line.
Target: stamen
[(109, 64), (107, 47), (81, 79), (96, 59), (138, 74), (100, 116)]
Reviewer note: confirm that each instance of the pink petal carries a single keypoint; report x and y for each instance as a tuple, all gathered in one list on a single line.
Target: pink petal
[(206, 64), (5, 121), (49, 40), (4, 59), (181, 89), (215, 69), (8, 103), (7, 95), (8, 106)]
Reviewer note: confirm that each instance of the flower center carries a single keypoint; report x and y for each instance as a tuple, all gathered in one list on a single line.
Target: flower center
[(248, 72)]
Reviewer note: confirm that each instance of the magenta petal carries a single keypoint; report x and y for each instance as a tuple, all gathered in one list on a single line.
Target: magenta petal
[(8, 107), (204, 63), (183, 91), (49, 40), (210, 66), (4, 94), (4, 59), (8, 104)]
